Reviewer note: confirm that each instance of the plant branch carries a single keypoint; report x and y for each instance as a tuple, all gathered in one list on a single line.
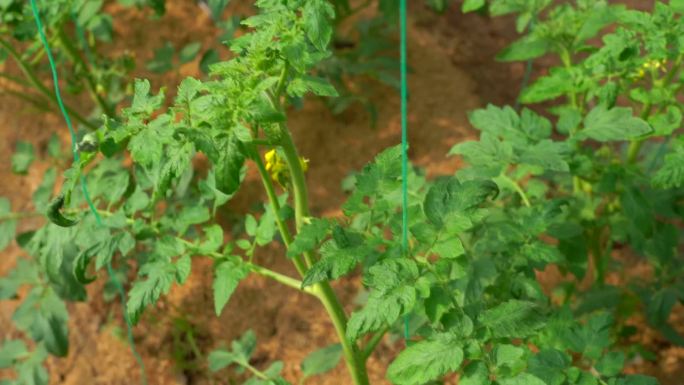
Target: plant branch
[(635, 145), (268, 273), (275, 205), (76, 57), (36, 101), (515, 186), (373, 343), (35, 82)]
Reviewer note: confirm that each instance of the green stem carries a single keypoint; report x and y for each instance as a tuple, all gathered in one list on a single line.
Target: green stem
[(356, 363), (353, 357), (14, 79), (517, 188), (635, 145), (193, 345), (567, 62), (73, 53), (274, 275), (258, 373), (37, 102), (33, 80), (281, 278), (373, 343), (275, 205)]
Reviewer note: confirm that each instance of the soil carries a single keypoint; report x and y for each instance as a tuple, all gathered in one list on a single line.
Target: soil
[(453, 72)]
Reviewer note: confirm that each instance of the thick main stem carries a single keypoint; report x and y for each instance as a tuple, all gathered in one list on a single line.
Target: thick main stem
[(353, 357)]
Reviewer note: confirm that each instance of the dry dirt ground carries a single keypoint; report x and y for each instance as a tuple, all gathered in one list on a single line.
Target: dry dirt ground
[(453, 71)]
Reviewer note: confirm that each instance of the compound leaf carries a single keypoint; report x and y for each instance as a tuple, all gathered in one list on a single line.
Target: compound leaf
[(613, 124), (425, 361)]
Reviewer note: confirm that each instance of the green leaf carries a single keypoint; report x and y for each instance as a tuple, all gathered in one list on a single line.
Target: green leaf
[(425, 361), (210, 57), (490, 155), (671, 173), (251, 225), (189, 51), (559, 82), (677, 5), (611, 364), (322, 360), (547, 154), (55, 215), (498, 121), (665, 123), (549, 366), (336, 261), (143, 102), (508, 355), (541, 253), (7, 226), (160, 276), (213, 241), (228, 167), (242, 350), (472, 5), (55, 334), (22, 158), (10, 351), (183, 268), (366, 320), (227, 275), (41, 196), (475, 373), (319, 86), (162, 60), (317, 16), (219, 359), (615, 124), (191, 215), (451, 247), (513, 319), (310, 236), (437, 304), (638, 379), (521, 379), (448, 195), (54, 147), (88, 11), (529, 47), (395, 287)]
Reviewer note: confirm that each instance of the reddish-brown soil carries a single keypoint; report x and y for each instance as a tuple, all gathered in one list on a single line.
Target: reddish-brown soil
[(453, 71)]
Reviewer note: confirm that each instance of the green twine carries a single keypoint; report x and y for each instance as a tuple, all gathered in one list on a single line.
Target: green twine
[(404, 142), (84, 187)]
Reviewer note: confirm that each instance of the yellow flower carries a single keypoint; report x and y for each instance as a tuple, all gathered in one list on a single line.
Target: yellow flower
[(277, 167)]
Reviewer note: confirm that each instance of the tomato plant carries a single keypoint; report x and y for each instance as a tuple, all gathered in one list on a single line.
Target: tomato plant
[(566, 186)]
